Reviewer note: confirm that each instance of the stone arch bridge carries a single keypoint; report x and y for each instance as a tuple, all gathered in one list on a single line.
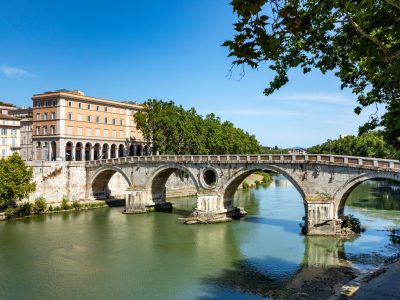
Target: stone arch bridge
[(323, 181)]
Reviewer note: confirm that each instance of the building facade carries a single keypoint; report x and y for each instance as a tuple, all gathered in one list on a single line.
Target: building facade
[(25, 116), (9, 135), (67, 125)]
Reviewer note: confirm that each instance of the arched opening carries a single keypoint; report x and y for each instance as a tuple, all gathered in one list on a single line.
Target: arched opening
[(38, 150), (176, 183), (68, 151), (146, 150), (113, 151), (53, 146), (139, 150), (78, 151), (104, 153), (96, 151), (121, 151), (132, 150), (88, 148), (110, 184)]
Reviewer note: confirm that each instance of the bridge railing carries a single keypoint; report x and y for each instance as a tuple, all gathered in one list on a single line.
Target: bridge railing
[(276, 158)]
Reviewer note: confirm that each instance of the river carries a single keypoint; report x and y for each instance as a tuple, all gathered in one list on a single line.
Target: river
[(104, 254)]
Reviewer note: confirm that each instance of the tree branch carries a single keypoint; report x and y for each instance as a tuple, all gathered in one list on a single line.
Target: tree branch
[(395, 3), (366, 35)]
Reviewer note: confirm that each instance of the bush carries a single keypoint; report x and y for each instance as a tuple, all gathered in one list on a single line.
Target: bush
[(21, 210), (76, 205), (257, 183), (51, 208), (40, 205), (64, 203), (353, 224), (245, 185)]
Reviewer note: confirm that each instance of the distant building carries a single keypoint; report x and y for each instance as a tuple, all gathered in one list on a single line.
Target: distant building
[(9, 135), (25, 116), (297, 150), (67, 125), (342, 136)]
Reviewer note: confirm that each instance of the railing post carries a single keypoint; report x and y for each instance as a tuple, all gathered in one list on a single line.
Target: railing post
[(331, 158), (376, 164), (346, 160), (391, 165)]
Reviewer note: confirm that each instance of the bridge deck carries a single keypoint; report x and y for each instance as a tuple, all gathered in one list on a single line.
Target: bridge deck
[(352, 161)]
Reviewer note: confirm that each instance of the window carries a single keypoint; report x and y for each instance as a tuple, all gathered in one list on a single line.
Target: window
[(45, 116), (121, 111), (39, 104), (79, 117), (45, 130), (105, 120), (88, 106), (38, 116), (69, 130), (70, 116), (132, 135), (13, 142), (3, 141), (114, 134), (89, 118), (88, 131), (97, 107), (79, 130), (105, 108), (46, 103), (3, 131), (53, 129), (38, 130), (3, 152), (97, 131), (70, 103), (54, 102), (53, 115), (114, 121), (121, 122), (97, 119), (121, 133), (114, 110), (105, 132), (79, 104), (13, 131)]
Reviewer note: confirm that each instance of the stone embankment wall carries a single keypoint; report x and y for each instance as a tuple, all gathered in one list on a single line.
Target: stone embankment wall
[(54, 180)]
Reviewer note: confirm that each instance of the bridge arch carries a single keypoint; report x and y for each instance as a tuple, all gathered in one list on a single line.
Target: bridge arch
[(156, 182), (344, 191), (229, 188), (98, 185)]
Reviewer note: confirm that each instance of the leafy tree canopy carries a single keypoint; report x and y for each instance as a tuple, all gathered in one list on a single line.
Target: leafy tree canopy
[(371, 144), (173, 130), (358, 40), (16, 179)]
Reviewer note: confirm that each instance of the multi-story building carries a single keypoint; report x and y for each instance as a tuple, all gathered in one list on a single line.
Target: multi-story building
[(25, 116), (9, 135), (67, 125)]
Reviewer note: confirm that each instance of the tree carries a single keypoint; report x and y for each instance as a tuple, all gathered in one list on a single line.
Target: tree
[(371, 144), (358, 40), (16, 179), (173, 130)]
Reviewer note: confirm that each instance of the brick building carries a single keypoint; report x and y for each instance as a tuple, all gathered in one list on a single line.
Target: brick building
[(67, 125)]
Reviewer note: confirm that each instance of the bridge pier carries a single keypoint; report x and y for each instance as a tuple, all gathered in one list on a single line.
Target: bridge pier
[(320, 218), (211, 209), (139, 200)]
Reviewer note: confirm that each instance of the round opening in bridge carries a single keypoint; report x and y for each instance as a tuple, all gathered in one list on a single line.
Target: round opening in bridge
[(210, 177)]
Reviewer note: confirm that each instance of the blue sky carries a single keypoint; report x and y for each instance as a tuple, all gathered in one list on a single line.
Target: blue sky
[(170, 50)]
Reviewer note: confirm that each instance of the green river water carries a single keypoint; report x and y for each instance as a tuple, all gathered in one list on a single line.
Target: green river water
[(104, 254)]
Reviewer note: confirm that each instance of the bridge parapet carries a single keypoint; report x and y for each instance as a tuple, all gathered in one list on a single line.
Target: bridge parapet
[(326, 159)]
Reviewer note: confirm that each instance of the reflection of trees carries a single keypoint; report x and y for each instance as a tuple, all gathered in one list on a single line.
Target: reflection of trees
[(376, 194), (322, 268)]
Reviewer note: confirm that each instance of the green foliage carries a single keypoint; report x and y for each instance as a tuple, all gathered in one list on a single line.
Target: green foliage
[(371, 144), (358, 40), (257, 183), (40, 205), (51, 208), (267, 178), (65, 203), (21, 210), (245, 185), (76, 205), (173, 130), (16, 179), (353, 224)]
